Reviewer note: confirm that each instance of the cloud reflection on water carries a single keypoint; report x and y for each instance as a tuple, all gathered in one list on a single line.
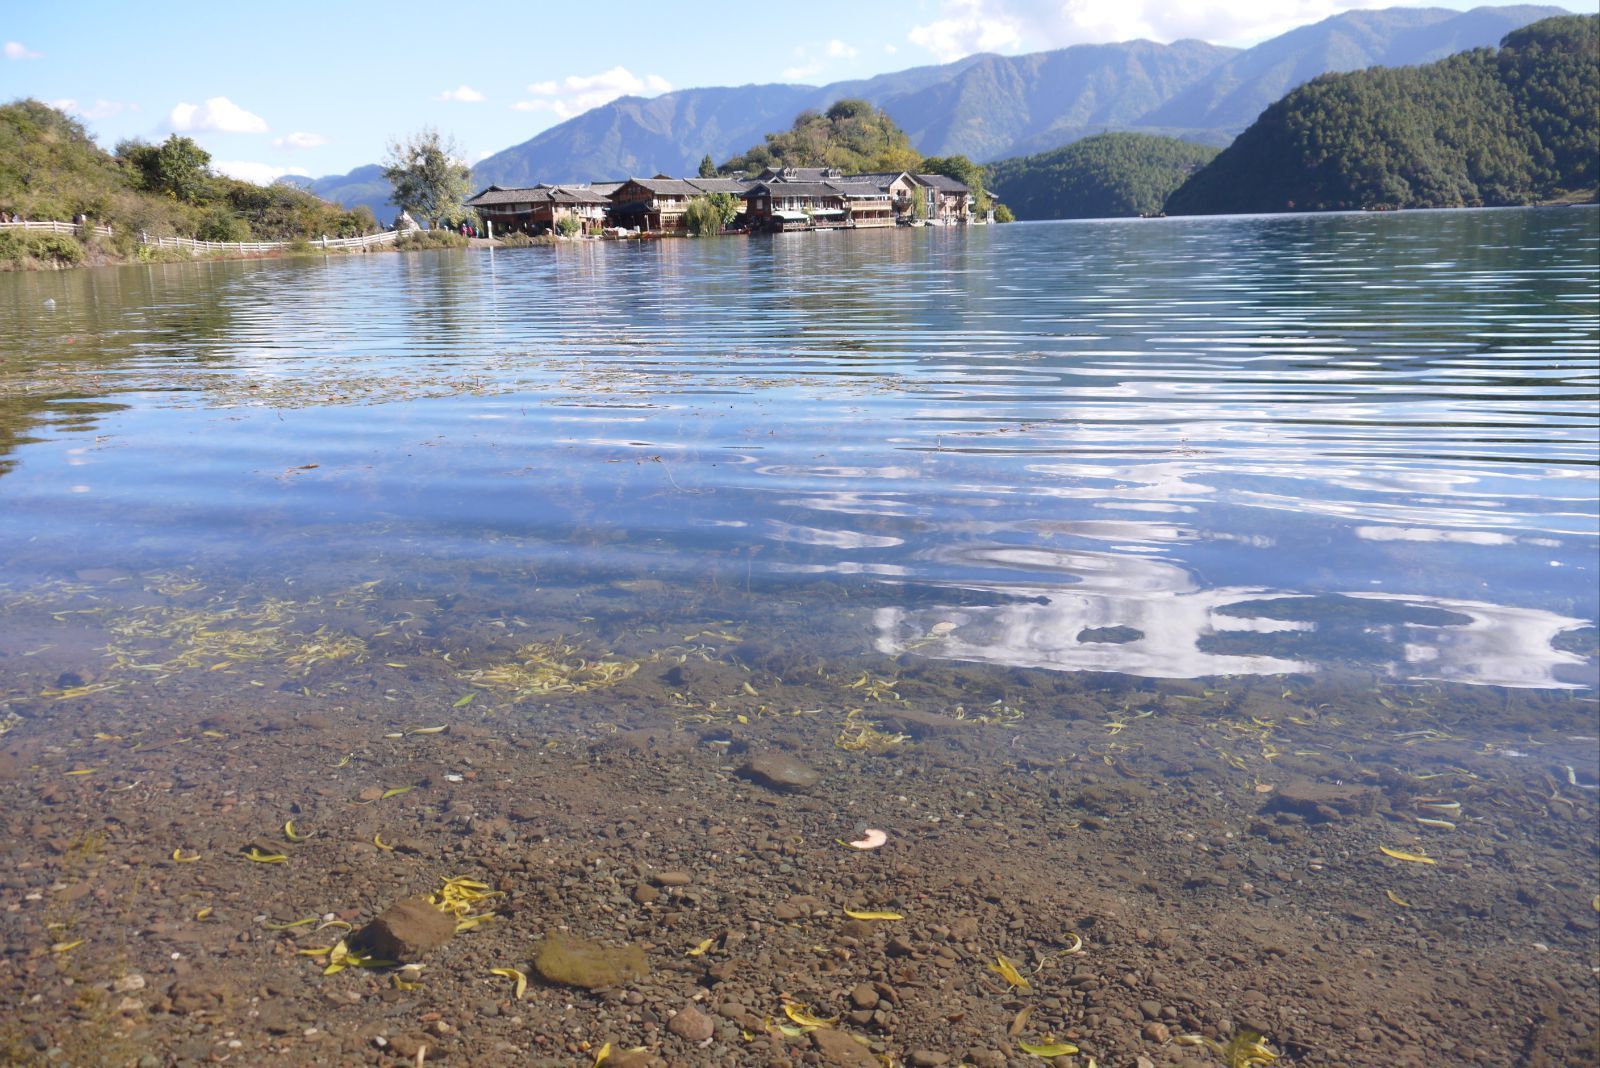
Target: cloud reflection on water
[(1180, 626)]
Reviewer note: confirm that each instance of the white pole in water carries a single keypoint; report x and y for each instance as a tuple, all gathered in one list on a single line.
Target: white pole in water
[(488, 228)]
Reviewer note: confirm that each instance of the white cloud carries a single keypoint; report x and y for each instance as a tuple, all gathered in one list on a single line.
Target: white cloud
[(462, 94), (18, 50), (300, 139), (967, 26), (259, 173), (800, 74), (970, 26), (100, 109), (578, 93), (837, 49), (217, 115)]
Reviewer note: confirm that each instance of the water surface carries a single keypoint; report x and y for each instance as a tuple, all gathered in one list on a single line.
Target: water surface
[(1236, 446)]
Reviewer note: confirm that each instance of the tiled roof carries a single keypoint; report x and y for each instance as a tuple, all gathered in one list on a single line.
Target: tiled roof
[(943, 183), (720, 185), (675, 187)]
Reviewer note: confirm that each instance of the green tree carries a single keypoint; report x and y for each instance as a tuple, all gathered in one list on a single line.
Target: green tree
[(706, 216), (429, 178), (708, 167), (1002, 214)]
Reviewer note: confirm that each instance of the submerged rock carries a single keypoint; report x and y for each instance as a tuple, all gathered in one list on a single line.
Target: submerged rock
[(780, 771), (1323, 802), (572, 961), (407, 929)]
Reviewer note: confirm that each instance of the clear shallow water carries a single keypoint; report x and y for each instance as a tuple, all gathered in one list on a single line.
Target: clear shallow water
[(1168, 448)]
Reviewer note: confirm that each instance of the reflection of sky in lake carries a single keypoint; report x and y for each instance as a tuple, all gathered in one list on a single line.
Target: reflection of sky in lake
[(1139, 424)]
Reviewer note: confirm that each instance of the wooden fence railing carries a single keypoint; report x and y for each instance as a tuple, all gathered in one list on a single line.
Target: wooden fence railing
[(193, 245), (51, 227)]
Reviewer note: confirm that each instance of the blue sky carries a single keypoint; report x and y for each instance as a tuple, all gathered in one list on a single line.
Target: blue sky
[(321, 88)]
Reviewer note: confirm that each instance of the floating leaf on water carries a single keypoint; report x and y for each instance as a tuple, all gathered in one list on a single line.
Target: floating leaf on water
[(855, 915), (286, 926), (1397, 899), (1048, 1049), (700, 950), (67, 947), (262, 857), (180, 857), (1008, 971), (1397, 854), (293, 835), (802, 1016), (521, 980)]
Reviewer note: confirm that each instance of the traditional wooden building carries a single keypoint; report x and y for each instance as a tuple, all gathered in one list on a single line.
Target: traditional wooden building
[(540, 209), (801, 205), (946, 200)]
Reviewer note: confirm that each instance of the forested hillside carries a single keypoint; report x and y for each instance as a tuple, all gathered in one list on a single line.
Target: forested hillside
[(852, 135), (1106, 176), (1513, 126), (50, 168)]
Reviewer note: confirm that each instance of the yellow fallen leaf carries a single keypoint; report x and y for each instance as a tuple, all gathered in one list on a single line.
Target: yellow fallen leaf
[(83, 771), (469, 922), (261, 857), (802, 1016), (519, 977), (1077, 943), (1008, 971), (203, 913), (180, 857), (286, 926), (855, 915), (344, 760), (600, 1057), (1048, 1049), (213, 734), (1415, 858), (429, 730), (1443, 825), (315, 951), (464, 701), (1397, 899), (67, 947), (396, 792), (377, 840), (700, 950), (293, 835)]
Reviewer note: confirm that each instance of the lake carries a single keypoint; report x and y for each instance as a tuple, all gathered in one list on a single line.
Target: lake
[(1257, 446), (1281, 511)]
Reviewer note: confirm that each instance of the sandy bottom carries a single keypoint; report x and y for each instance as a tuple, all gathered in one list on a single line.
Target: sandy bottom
[(1170, 866)]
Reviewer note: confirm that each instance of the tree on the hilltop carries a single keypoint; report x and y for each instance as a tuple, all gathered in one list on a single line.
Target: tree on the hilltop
[(429, 178), (708, 167), (177, 167), (852, 135)]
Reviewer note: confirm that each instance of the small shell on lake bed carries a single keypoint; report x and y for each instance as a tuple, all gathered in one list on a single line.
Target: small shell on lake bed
[(871, 838)]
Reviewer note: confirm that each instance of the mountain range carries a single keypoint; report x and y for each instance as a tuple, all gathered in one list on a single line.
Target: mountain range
[(985, 106)]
